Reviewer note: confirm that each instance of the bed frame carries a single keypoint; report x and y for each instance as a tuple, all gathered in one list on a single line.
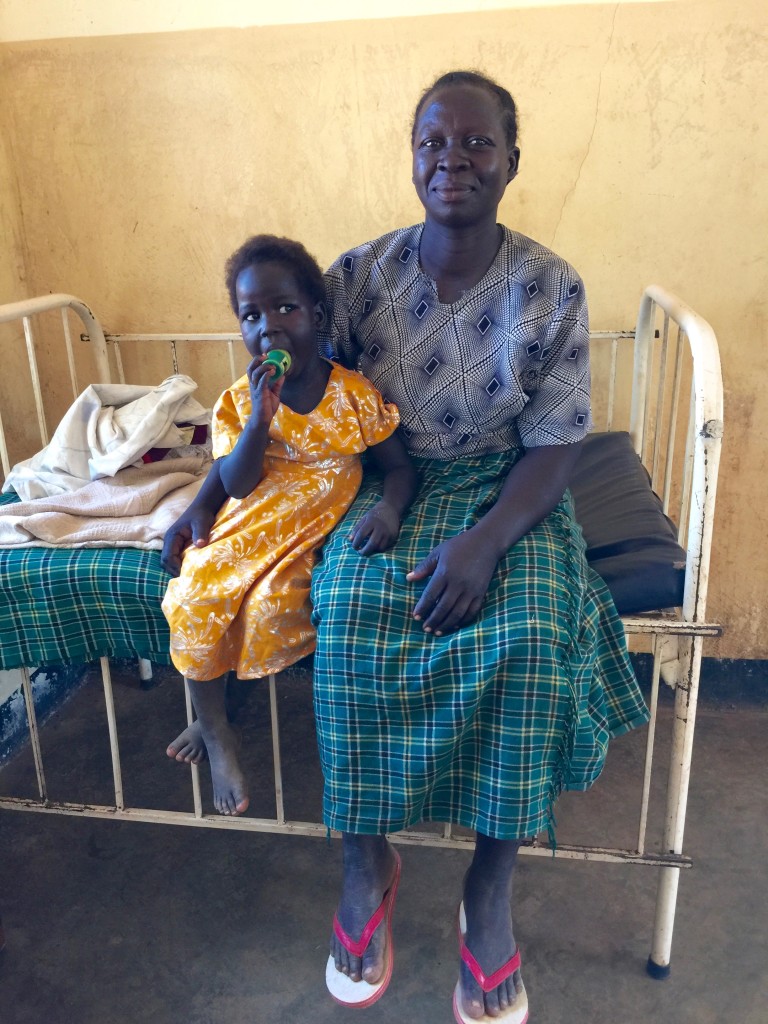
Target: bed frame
[(674, 416)]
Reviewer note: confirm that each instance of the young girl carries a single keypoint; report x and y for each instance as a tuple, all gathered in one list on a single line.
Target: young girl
[(287, 467)]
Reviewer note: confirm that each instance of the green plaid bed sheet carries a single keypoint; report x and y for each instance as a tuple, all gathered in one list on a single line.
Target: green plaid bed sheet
[(63, 606), (483, 727)]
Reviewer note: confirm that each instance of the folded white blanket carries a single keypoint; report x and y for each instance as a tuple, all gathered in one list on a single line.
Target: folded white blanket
[(134, 508), (108, 427)]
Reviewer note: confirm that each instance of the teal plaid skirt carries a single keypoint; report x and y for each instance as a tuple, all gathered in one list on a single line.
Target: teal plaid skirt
[(483, 727)]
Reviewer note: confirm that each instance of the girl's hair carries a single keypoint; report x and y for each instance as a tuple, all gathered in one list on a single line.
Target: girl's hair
[(271, 249), (507, 106)]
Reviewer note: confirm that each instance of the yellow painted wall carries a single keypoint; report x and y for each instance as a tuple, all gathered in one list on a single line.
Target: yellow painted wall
[(142, 160)]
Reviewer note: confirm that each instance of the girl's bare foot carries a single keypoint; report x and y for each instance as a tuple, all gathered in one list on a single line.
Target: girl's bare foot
[(189, 746), (230, 790)]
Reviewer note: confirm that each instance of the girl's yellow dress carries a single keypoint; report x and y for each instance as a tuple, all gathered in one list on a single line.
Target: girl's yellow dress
[(242, 602)]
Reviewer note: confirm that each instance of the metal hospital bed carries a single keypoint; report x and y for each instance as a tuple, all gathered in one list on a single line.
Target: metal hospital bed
[(661, 383)]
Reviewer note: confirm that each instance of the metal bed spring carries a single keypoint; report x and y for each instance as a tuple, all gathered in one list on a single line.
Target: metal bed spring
[(674, 352)]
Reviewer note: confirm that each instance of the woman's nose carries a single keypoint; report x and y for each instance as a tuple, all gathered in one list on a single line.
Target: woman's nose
[(453, 155)]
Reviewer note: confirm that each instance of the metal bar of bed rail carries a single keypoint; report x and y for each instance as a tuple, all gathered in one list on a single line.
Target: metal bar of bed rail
[(659, 411), (651, 356), (36, 388), (175, 337), (5, 459), (612, 383), (279, 808), (564, 851), (118, 360), (672, 428), (648, 765), (688, 456), (70, 351), (194, 770), (34, 734), (114, 747)]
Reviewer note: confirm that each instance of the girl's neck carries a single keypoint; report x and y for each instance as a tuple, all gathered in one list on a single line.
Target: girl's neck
[(304, 393), (457, 258)]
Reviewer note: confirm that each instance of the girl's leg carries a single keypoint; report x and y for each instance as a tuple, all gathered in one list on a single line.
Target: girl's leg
[(189, 745), (489, 937), (369, 870), (230, 792)]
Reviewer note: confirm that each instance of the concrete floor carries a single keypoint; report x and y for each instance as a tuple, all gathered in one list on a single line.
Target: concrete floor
[(112, 921)]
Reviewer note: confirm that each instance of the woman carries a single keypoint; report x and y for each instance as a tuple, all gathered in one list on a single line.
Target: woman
[(477, 668)]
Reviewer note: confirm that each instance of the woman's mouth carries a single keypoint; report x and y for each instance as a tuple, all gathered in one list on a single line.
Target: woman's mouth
[(450, 193)]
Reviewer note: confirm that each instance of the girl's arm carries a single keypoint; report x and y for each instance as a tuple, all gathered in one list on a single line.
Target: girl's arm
[(378, 529), (461, 567), (243, 468), (232, 476)]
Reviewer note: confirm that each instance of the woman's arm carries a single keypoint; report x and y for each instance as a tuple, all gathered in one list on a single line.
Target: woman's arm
[(378, 529), (461, 567)]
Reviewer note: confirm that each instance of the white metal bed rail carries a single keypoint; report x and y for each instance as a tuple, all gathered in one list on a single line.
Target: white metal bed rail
[(24, 312), (659, 374)]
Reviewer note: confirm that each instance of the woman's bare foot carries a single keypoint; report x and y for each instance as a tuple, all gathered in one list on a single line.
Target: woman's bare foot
[(370, 866), (189, 746), (489, 936)]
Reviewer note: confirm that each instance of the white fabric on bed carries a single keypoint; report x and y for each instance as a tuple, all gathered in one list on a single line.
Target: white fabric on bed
[(134, 508), (108, 427)]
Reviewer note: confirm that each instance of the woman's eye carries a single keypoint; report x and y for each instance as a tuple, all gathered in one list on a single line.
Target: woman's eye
[(478, 141), (430, 143)]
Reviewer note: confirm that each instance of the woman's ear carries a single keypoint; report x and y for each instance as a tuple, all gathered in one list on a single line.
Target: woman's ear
[(514, 163), (321, 315)]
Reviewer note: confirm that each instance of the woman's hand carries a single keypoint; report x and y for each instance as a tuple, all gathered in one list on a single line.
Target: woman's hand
[(192, 526), (461, 569), (377, 530)]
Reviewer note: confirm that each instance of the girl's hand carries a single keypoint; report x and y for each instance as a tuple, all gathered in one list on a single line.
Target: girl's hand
[(265, 397), (377, 530), (192, 526), (461, 569)]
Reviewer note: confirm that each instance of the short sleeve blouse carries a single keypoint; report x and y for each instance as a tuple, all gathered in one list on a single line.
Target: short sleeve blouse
[(505, 365), (350, 417)]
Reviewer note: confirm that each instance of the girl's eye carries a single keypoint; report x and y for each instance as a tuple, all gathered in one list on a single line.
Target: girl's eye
[(251, 317), (478, 141), (430, 143), (286, 307)]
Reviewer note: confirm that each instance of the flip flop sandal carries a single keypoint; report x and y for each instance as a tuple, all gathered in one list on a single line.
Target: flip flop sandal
[(360, 994), (517, 1013)]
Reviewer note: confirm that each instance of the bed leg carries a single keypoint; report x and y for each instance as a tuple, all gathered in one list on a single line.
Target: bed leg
[(686, 697)]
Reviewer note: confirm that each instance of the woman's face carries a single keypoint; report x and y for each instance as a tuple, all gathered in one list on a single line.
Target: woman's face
[(462, 162)]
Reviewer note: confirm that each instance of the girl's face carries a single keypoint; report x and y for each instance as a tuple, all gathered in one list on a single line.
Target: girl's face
[(274, 312), (462, 162)]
